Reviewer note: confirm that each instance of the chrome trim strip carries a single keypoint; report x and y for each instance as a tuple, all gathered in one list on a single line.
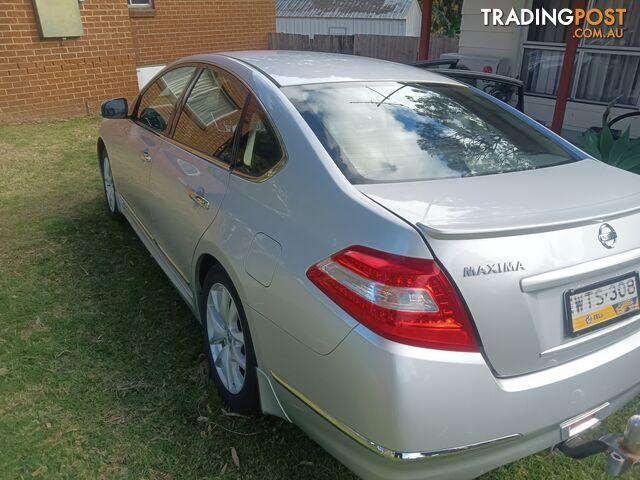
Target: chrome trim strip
[(575, 273), (150, 244), (128, 207), (173, 264), (565, 427), (379, 449), (154, 242)]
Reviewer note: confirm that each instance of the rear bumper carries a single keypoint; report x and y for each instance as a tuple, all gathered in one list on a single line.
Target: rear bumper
[(461, 466), (419, 409)]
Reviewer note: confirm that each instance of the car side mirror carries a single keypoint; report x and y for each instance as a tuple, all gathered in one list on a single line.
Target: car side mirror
[(116, 108)]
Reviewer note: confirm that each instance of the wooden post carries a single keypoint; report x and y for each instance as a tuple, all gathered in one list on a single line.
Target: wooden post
[(562, 95), (425, 30)]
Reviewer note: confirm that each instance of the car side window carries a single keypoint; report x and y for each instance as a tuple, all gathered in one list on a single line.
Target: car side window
[(211, 114), (259, 149), (159, 101)]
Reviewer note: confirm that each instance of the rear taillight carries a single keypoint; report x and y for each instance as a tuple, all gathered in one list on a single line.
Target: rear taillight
[(407, 300)]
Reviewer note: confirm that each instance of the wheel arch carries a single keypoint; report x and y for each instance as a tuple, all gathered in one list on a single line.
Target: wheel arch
[(204, 264), (207, 257), (101, 148)]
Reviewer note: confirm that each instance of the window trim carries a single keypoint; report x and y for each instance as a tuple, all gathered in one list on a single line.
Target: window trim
[(178, 107), (181, 109), (276, 166), (149, 4), (201, 65)]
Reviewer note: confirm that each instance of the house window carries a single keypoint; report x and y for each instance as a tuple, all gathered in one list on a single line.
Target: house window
[(548, 33), (140, 3), (337, 30), (605, 70)]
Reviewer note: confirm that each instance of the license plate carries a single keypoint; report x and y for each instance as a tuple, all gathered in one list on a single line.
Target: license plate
[(601, 304)]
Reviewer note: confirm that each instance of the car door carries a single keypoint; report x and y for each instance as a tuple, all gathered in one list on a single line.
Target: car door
[(151, 119), (191, 170)]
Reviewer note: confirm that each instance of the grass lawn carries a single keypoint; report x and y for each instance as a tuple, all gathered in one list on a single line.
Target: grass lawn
[(101, 371)]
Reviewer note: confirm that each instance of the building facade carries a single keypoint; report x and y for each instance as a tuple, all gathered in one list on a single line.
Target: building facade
[(44, 78), (606, 70)]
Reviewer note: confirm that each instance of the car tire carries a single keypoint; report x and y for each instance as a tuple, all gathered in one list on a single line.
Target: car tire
[(109, 187), (227, 342)]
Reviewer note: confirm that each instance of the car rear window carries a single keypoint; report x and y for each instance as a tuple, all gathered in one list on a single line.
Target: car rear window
[(382, 132)]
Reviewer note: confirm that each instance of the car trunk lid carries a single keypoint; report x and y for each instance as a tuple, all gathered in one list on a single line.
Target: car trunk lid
[(514, 243)]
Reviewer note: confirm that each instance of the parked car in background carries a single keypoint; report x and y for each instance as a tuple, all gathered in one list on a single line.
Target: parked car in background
[(426, 281), (509, 90)]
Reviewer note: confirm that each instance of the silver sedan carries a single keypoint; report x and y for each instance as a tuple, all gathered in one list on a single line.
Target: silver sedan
[(425, 280)]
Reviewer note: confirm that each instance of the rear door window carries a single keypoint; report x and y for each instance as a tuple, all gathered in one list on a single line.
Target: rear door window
[(211, 114), (159, 101), (259, 149)]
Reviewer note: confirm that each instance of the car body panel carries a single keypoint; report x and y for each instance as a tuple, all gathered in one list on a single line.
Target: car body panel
[(178, 179), (514, 218), (400, 386), (128, 143)]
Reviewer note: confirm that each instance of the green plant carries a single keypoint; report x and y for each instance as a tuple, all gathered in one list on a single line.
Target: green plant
[(447, 17), (443, 24), (622, 152)]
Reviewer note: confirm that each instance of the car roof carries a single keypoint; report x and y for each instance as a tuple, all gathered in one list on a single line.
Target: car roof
[(287, 67)]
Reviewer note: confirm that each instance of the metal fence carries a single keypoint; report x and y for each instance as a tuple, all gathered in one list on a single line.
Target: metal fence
[(394, 48)]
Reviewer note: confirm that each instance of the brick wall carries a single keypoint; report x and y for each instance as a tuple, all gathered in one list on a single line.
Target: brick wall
[(214, 139), (42, 79), (179, 28), (45, 79)]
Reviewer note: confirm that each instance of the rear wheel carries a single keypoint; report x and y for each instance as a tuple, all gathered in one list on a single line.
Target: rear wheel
[(227, 340), (109, 188)]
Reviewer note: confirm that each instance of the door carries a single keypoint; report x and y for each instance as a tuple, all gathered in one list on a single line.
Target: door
[(190, 172), (151, 120)]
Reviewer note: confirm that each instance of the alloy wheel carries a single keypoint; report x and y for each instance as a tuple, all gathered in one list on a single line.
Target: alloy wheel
[(226, 339), (109, 188)]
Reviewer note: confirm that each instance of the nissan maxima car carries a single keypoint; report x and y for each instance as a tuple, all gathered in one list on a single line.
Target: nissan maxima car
[(425, 280)]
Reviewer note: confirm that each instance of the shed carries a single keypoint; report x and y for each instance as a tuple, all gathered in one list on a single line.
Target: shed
[(349, 17)]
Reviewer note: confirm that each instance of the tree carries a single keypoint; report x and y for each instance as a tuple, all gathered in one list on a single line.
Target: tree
[(447, 16)]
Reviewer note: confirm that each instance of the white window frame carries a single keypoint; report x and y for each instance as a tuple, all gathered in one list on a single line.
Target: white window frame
[(582, 51), (146, 4)]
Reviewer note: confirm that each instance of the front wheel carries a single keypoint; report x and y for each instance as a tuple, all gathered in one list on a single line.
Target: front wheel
[(110, 194), (227, 340)]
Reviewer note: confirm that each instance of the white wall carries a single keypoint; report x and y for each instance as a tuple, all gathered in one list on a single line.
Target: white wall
[(320, 26), (145, 74), (579, 116), (499, 41), (414, 20)]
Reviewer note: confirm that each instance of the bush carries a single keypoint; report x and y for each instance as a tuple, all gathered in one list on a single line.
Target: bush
[(622, 152)]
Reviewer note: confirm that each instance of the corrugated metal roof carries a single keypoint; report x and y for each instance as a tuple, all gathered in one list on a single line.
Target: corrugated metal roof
[(381, 9)]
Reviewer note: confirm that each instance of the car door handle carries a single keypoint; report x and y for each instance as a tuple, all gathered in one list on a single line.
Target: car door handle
[(199, 199), (146, 158)]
